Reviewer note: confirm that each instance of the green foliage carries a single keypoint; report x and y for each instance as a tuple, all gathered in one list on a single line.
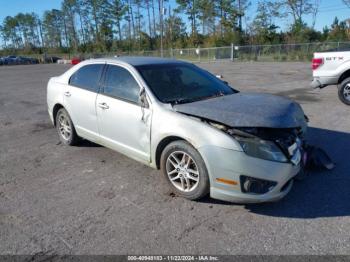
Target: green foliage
[(338, 32), (191, 9), (53, 29), (263, 26)]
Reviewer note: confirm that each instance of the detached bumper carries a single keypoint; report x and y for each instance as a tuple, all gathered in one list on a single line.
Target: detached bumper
[(316, 83), (320, 82), (225, 164)]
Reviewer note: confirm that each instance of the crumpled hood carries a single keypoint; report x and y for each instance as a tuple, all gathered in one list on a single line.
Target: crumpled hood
[(248, 110)]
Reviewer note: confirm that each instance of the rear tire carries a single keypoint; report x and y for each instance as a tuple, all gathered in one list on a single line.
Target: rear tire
[(344, 91), (65, 128), (185, 170)]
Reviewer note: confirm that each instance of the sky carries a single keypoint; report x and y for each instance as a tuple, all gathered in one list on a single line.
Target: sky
[(327, 11), (13, 7)]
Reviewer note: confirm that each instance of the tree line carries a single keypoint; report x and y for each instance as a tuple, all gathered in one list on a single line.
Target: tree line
[(129, 25)]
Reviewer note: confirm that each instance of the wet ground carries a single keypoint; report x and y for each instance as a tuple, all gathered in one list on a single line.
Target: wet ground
[(91, 200)]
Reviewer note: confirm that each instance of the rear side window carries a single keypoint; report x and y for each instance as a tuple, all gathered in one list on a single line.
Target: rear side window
[(87, 77), (120, 83)]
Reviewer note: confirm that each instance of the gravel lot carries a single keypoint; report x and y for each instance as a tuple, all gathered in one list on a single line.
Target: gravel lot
[(91, 200)]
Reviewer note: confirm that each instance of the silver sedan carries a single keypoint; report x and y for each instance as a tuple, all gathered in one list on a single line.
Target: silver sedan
[(204, 136)]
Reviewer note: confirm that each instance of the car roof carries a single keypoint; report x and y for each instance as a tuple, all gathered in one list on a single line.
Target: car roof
[(140, 60)]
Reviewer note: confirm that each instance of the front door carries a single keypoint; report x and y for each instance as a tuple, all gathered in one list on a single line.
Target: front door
[(123, 124)]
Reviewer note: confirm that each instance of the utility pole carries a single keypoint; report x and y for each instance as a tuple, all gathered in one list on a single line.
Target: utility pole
[(161, 27), (170, 27), (240, 16)]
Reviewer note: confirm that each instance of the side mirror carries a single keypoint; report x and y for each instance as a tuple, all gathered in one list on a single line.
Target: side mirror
[(143, 98)]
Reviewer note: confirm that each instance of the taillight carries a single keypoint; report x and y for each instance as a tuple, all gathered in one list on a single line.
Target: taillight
[(75, 61), (316, 63)]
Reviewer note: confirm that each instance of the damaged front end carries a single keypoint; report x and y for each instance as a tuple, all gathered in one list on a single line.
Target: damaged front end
[(271, 132), (274, 144), (285, 145)]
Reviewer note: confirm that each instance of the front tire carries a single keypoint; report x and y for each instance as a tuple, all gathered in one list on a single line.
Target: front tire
[(65, 128), (344, 91), (185, 170)]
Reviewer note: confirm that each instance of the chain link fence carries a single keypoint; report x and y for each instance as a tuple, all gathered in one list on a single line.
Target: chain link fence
[(263, 53), (285, 52)]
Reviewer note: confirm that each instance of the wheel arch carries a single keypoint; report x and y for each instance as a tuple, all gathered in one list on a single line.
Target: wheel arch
[(163, 144), (343, 76), (55, 109)]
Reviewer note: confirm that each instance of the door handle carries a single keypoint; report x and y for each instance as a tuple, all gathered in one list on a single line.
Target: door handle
[(67, 93), (103, 105)]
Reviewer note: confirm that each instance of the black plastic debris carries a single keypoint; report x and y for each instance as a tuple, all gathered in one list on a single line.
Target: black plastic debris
[(318, 158), (313, 158)]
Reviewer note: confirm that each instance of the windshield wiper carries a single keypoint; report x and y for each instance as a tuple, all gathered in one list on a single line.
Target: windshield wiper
[(213, 96), (190, 100), (179, 100)]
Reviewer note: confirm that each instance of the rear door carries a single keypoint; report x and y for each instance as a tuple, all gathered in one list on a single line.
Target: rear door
[(80, 99), (123, 124)]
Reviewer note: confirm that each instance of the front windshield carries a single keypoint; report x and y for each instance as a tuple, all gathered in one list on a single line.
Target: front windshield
[(182, 83)]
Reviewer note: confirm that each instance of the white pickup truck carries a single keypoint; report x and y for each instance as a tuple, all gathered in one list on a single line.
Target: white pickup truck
[(333, 68)]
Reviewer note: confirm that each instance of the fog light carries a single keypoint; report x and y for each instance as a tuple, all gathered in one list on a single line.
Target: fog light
[(256, 186)]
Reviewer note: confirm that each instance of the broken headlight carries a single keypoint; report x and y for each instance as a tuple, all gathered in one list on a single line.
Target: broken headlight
[(262, 149)]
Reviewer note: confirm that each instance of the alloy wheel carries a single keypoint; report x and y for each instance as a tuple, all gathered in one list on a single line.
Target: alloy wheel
[(182, 171), (64, 125), (346, 92)]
